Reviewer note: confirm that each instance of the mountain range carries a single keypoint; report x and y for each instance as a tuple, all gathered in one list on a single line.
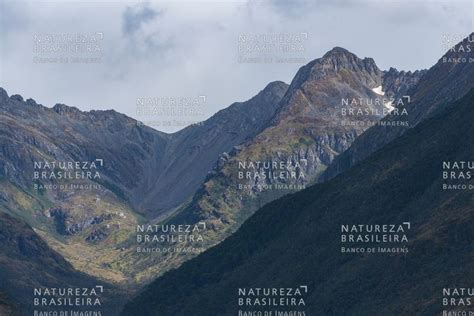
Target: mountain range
[(145, 176), (87, 223), (217, 173)]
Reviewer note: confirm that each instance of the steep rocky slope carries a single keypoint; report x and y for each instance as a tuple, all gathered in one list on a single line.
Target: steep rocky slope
[(194, 150), (448, 80)]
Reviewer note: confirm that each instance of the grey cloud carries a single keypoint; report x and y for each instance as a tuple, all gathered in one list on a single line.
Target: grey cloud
[(184, 49), (12, 16), (134, 17), (141, 27), (297, 8)]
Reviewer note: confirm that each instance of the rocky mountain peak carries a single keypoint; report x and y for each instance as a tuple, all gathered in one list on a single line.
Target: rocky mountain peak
[(318, 87), (430, 91), (338, 52), (31, 102), (340, 58), (333, 63), (397, 84)]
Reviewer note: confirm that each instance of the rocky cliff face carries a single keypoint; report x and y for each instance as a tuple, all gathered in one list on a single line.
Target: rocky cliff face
[(448, 80), (399, 83)]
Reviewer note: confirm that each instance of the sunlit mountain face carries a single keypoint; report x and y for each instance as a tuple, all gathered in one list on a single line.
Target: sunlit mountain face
[(236, 158)]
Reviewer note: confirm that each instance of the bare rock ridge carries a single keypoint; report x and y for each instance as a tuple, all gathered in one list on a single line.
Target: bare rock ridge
[(396, 83), (448, 80)]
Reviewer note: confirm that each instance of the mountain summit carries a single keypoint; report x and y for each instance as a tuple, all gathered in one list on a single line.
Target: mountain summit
[(343, 59), (448, 80)]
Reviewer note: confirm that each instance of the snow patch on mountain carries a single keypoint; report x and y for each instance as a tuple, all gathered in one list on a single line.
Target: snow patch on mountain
[(378, 90), (387, 104)]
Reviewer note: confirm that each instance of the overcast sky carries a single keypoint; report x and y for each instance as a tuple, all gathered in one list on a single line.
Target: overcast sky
[(203, 55)]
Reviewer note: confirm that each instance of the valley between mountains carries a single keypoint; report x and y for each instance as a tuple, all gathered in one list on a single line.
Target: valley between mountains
[(85, 191)]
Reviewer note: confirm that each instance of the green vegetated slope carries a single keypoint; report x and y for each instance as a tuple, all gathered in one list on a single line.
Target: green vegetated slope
[(27, 263)]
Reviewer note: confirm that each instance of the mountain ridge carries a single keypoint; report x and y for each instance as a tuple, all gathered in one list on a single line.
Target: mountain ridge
[(147, 172), (443, 83)]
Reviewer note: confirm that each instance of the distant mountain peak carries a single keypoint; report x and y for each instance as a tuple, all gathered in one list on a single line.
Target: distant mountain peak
[(337, 51), (430, 92), (31, 102), (343, 59), (332, 63), (273, 86)]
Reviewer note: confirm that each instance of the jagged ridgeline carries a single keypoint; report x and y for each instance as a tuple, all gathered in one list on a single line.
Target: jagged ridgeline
[(429, 93)]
